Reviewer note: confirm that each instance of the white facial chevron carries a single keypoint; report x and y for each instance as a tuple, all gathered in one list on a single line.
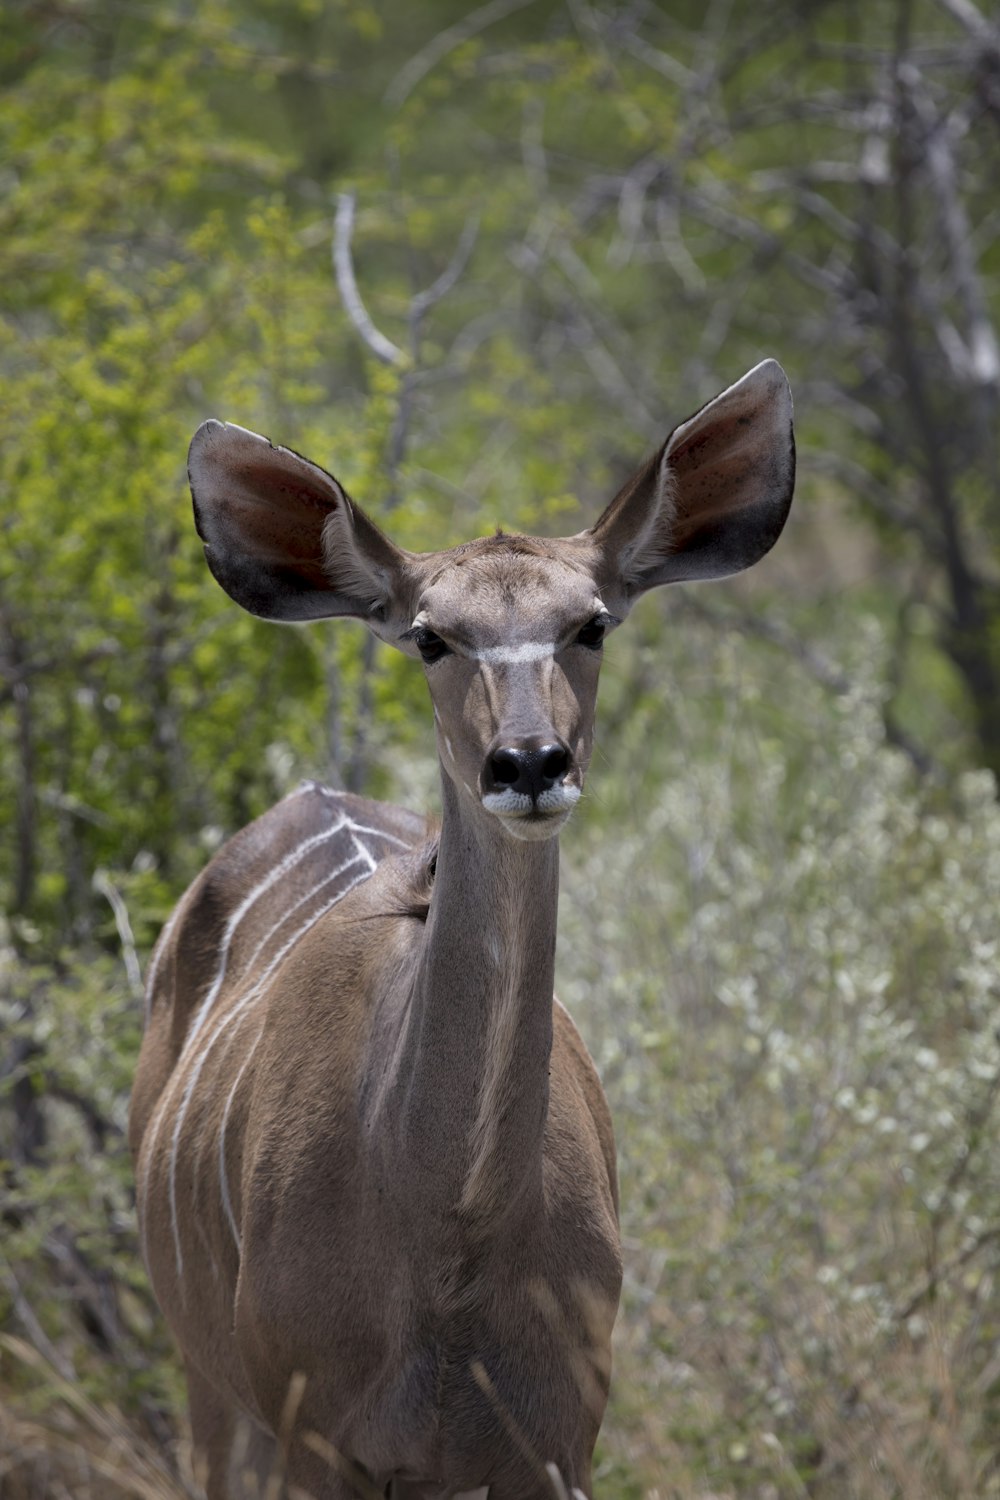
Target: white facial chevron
[(504, 655)]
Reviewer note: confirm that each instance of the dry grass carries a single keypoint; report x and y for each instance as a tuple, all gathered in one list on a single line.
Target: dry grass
[(71, 1448)]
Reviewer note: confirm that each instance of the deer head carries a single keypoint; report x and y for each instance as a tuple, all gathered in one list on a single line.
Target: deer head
[(509, 628)]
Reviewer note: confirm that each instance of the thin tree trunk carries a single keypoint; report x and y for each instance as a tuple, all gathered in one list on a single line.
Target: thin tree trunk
[(25, 810)]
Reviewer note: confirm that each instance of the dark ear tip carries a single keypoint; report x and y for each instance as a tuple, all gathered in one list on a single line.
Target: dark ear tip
[(769, 372), (215, 439), (207, 434)]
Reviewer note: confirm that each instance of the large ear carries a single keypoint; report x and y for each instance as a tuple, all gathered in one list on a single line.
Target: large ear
[(715, 497), (280, 534)]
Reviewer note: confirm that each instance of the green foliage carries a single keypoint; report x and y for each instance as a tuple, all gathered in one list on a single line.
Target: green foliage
[(796, 1024), (70, 1271), (795, 1006)]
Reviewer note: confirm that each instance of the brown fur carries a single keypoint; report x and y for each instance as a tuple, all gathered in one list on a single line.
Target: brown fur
[(419, 1360)]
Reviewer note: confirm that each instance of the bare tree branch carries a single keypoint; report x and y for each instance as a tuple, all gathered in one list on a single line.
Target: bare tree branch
[(975, 23), (104, 886), (610, 336), (422, 62), (859, 481), (343, 264), (20, 672), (420, 305), (660, 62), (982, 361), (826, 672), (947, 1268), (820, 666), (424, 301)]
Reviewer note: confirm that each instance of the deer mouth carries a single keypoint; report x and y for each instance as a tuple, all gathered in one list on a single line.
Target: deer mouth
[(530, 818)]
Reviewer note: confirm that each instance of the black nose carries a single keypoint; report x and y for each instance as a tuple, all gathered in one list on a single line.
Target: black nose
[(530, 769)]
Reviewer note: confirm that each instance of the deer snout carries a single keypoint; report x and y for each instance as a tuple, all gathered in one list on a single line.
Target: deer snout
[(528, 767)]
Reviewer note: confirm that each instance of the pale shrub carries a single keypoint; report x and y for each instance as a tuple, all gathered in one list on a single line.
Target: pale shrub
[(783, 951)]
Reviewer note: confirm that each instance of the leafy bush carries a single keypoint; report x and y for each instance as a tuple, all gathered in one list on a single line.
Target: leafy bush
[(785, 954), (782, 950)]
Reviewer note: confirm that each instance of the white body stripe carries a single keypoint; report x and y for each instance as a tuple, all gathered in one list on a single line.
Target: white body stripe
[(193, 1065), (390, 838), (252, 995), (227, 1202), (310, 893), (363, 853), (282, 868)]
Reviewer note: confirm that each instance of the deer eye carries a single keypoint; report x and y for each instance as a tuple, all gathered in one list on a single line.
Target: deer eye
[(592, 633), (430, 646)]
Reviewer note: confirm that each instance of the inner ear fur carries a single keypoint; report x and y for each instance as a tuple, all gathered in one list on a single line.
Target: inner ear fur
[(714, 499), (281, 536)]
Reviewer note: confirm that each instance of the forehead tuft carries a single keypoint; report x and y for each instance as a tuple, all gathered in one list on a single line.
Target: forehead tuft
[(503, 588)]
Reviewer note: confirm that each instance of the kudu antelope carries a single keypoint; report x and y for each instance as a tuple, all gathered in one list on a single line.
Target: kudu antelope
[(376, 1169)]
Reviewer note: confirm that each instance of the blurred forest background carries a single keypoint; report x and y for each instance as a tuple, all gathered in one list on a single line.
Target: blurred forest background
[(571, 222)]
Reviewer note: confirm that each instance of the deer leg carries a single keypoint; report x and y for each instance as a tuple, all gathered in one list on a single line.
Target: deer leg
[(314, 1470), (233, 1458), (404, 1489)]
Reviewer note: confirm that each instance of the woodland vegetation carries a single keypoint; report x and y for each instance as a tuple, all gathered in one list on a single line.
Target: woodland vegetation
[(569, 223)]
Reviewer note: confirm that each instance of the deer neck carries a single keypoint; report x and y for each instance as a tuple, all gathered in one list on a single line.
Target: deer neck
[(474, 1051)]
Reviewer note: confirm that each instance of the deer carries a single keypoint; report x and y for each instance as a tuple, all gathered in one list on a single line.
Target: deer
[(375, 1167)]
